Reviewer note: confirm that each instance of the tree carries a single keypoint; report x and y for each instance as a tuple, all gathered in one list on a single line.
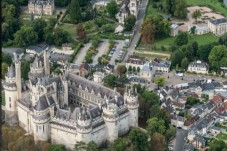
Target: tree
[(184, 63), (195, 47), (196, 14), (182, 39), (7, 59), (25, 68), (138, 69), (191, 100), (121, 69), (223, 39), (134, 69), (218, 57), (160, 81), (158, 142), (80, 32), (92, 146), (170, 6), (39, 25), (139, 140), (4, 70), (129, 22), (154, 125), (176, 58), (130, 68), (112, 8), (80, 146), (120, 144), (25, 36), (148, 32), (74, 11), (108, 28), (57, 147), (60, 37), (204, 51), (217, 145), (181, 9), (170, 133), (109, 80)]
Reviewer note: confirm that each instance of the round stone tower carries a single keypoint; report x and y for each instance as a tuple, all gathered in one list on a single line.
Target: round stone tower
[(41, 120), (132, 103), (110, 117), (84, 126), (11, 96)]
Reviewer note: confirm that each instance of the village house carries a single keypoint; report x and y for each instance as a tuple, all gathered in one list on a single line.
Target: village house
[(218, 26), (37, 49), (198, 67), (135, 61), (84, 69), (173, 30), (146, 72)]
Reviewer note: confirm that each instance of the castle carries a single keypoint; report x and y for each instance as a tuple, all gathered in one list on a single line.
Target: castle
[(66, 108), (40, 7)]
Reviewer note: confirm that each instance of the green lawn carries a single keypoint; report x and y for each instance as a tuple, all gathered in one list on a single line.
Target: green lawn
[(71, 28), (151, 11), (167, 42), (222, 136), (214, 4)]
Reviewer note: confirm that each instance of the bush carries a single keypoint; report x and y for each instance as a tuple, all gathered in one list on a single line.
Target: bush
[(76, 48)]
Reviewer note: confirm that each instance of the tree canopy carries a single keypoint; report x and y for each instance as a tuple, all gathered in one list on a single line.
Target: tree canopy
[(112, 8), (182, 39), (129, 22), (74, 11), (139, 140), (160, 81), (218, 57)]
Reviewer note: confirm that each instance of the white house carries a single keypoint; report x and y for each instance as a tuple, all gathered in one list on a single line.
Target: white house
[(198, 67), (173, 30), (218, 26), (135, 61), (146, 71), (119, 28)]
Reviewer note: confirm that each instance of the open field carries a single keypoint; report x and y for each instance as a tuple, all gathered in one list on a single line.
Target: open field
[(214, 4), (152, 55), (71, 28), (167, 42)]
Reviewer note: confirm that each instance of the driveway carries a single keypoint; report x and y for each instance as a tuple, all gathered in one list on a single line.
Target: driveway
[(179, 140), (82, 53), (137, 34), (119, 47), (102, 49)]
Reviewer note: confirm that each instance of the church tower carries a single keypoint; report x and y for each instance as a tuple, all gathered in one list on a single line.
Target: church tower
[(132, 103), (46, 62), (133, 7)]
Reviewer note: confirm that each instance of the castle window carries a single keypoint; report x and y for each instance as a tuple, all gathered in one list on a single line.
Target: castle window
[(9, 99), (10, 105), (36, 128), (43, 128)]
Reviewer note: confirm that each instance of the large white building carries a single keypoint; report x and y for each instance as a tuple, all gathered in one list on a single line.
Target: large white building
[(198, 67), (67, 108), (218, 26)]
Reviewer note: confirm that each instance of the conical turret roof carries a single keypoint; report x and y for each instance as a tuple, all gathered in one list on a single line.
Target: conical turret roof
[(11, 72)]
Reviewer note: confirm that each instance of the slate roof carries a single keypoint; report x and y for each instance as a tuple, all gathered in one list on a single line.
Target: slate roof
[(137, 79), (219, 21), (41, 104)]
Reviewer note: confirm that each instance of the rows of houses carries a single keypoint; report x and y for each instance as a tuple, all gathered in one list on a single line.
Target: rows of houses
[(145, 69), (200, 118)]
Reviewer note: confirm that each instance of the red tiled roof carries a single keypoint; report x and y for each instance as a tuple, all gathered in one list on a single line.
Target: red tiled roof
[(191, 120), (217, 99), (222, 108)]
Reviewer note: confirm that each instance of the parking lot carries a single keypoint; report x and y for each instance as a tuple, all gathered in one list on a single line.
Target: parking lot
[(118, 53), (102, 49)]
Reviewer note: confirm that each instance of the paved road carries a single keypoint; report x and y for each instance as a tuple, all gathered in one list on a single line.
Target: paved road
[(82, 53), (135, 39), (102, 49), (120, 44), (179, 141)]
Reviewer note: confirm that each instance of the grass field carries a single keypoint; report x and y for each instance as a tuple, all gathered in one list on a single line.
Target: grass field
[(150, 56), (167, 42), (71, 28), (214, 4), (222, 136), (152, 11)]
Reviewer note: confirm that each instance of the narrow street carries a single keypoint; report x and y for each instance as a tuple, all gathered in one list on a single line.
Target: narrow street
[(137, 34), (179, 141)]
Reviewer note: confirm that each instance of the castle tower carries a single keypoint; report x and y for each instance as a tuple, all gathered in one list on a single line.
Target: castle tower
[(110, 117), (46, 62), (132, 104), (11, 96), (84, 126), (41, 120), (65, 85), (18, 79), (133, 7)]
